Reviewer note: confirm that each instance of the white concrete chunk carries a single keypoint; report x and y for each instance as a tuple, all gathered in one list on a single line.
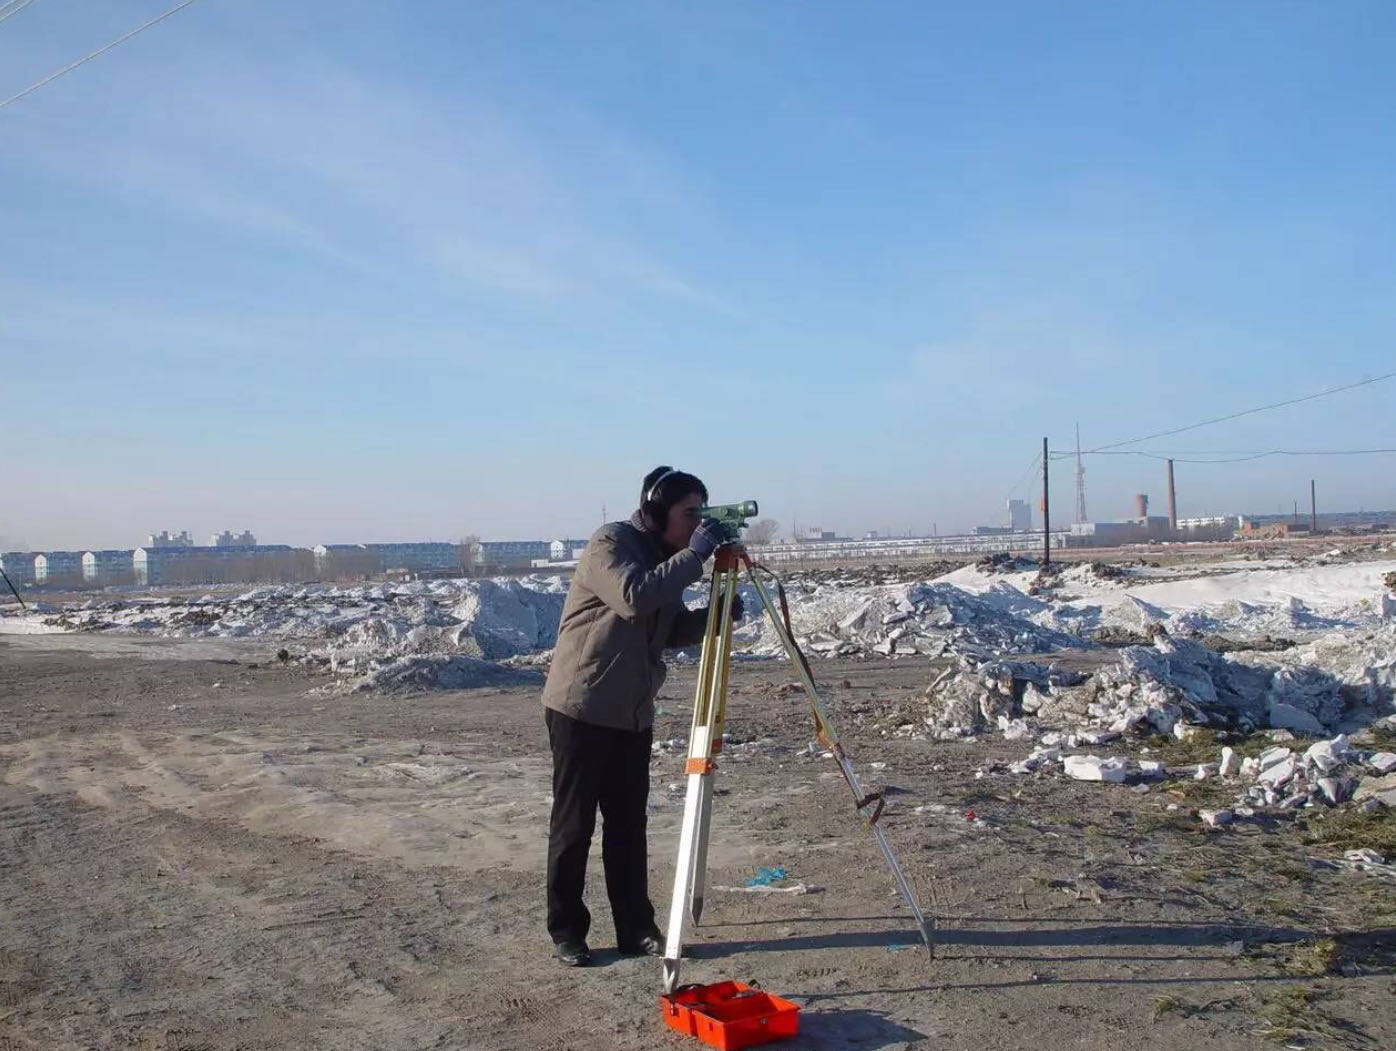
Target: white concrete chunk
[(1230, 764), (1094, 768)]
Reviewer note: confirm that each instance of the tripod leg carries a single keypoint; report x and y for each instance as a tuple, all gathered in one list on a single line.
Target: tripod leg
[(831, 740), (698, 877), (699, 772), (13, 588)]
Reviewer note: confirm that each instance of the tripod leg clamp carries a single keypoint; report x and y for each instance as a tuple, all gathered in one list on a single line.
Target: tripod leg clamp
[(872, 797), (699, 766)]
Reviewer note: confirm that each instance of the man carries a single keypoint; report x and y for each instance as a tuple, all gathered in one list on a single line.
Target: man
[(625, 607)]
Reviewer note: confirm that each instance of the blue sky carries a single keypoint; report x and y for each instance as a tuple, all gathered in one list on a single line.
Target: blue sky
[(352, 271)]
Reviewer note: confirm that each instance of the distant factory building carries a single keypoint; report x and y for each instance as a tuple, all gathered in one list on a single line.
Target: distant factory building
[(1019, 516), (1208, 527), (1116, 534), (58, 567), (1253, 530), (228, 539), (18, 566), (215, 565), (109, 567)]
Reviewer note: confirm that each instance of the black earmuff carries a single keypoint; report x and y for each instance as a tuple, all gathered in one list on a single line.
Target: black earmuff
[(654, 507)]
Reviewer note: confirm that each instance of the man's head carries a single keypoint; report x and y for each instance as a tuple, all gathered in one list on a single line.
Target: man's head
[(670, 499)]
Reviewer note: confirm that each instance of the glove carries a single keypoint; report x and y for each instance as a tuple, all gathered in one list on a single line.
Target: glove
[(708, 537), (738, 609)]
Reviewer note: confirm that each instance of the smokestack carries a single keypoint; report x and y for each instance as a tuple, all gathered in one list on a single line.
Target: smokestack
[(1172, 500), (1313, 507), (1141, 505)]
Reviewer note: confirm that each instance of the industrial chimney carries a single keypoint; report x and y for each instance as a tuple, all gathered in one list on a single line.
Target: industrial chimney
[(1141, 505)]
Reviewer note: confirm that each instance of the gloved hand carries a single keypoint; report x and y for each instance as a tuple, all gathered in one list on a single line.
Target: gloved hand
[(708, 537), (738, 609)]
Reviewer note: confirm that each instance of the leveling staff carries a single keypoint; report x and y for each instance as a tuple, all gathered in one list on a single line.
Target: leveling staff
[(625, 607)]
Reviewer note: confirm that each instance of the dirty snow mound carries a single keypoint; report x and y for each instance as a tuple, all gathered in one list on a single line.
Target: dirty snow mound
[(442, 671)]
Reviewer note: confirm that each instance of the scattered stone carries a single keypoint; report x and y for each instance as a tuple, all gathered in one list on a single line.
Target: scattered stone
[(1382, 762), (1382, 789), (1336, 789), (1215, 818), (1280, 774), (1292, 718), (1365, 856)]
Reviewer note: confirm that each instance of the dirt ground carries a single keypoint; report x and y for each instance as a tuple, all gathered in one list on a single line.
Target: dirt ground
[(199, 852)]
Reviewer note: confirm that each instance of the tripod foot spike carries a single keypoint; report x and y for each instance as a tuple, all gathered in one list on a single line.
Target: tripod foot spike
[(671, 975), (696, 911)]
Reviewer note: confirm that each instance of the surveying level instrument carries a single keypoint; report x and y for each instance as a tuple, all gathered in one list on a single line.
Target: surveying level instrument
[(732, 517), (705, 743)]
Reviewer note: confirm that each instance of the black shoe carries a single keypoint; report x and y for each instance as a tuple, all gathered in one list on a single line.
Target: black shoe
[(649, 945), (573, 954)]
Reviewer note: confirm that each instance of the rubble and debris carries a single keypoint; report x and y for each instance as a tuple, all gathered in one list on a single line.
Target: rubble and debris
[(442, 671)]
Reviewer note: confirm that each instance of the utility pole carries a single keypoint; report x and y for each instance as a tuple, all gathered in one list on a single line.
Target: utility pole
[(1313, 508), (1080, 480), (1046, 512), (1172, 501)]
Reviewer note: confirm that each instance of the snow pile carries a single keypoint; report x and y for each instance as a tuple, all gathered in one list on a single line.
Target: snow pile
[(1243, 599), (901, 620), (488, 619)]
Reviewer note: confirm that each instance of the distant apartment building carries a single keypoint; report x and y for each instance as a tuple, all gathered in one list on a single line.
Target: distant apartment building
[(335, 561), (511, 552), (58, 567), (423, 557), (109, 567), (228, 539), (365, 560), (1019, 516), (566, 550), (165, 539), (18, 566), (216, 565)]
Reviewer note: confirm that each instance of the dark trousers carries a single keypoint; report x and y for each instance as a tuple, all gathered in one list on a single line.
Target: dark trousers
[(596, 766)]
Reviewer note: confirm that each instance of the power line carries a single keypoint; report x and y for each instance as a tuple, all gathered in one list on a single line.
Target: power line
[(1245, 412), (1031, 468), (100, 51), (1222, 456), (14, 7)]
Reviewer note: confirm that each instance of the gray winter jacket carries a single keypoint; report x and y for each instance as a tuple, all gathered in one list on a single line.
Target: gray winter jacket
[(625, 607)]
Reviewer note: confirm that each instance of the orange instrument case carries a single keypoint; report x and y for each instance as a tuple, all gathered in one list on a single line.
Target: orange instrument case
[(730, 1015)]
